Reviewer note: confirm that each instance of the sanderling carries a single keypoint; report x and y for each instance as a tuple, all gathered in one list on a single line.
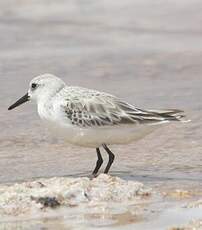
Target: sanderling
[(91, 118)]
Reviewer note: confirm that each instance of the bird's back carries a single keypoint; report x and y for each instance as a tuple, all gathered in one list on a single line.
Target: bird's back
[(88, 108)]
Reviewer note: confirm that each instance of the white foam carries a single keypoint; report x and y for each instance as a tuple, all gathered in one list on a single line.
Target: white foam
[(17, 199)]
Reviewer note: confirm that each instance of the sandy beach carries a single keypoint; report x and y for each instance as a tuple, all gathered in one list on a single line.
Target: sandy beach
[(149, 54)]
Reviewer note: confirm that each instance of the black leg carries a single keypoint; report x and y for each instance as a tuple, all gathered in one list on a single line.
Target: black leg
[(99, 162), (111, 158)]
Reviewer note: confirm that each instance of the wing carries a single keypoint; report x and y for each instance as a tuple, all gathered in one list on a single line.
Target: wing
[(90, 108)]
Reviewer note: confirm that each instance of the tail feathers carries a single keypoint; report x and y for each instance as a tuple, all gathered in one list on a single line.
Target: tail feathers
[(171, 114)]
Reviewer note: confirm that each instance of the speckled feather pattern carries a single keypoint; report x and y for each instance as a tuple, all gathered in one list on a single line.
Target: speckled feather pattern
[(91, 108)]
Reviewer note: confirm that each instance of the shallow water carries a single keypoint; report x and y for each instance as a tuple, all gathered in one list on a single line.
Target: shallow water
[(148, 53)]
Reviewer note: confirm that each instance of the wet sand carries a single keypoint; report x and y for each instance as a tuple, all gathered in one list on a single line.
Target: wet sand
[(148, 53)]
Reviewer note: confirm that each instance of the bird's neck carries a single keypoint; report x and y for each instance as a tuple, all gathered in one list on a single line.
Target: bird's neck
[(45, 103)]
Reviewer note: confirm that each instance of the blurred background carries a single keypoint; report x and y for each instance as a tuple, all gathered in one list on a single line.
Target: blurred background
[(147, 52)]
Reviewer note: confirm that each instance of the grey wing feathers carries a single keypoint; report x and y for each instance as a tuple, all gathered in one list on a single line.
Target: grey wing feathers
[(91, 108), (95, 113), (151, 116), (171, 114)]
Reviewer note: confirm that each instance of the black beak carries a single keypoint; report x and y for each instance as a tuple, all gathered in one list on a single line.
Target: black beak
[(22, 100)]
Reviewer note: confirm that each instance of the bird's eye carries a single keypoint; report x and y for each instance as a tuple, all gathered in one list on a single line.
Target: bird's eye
[(34, 85)]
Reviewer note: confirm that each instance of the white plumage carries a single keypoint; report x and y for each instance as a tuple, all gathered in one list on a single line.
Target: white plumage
[(91, 118)]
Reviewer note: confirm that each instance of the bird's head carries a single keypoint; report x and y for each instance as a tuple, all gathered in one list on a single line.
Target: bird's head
[(39, 88)]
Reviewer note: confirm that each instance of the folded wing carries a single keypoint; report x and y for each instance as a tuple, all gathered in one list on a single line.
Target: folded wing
[(89, 108)]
